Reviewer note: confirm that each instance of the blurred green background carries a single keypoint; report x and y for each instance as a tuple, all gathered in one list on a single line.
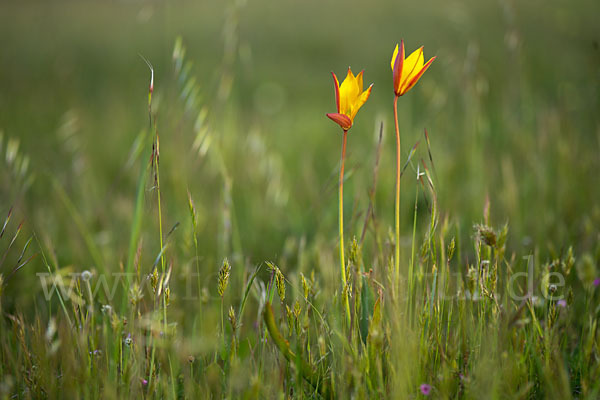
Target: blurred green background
[(511, 106)]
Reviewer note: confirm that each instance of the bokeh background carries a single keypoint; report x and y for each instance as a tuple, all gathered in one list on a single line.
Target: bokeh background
[(511, 106)]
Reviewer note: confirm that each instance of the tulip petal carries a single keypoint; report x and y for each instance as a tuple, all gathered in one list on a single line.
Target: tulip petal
[(337, 91), (398, 67), (348, 93), (412, 65), (342, 120), (418, 63), (359, 81), (362, 99), (394, 57), (418, 75)]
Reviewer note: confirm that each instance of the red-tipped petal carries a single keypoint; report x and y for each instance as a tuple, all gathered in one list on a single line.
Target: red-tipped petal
[(342, 120), (416, 78), (350, 72), (398, 65), (406, 81), (364, 96), (337, 91)]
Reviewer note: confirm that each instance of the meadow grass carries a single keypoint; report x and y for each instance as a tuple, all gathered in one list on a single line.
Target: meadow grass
[(183, 243)]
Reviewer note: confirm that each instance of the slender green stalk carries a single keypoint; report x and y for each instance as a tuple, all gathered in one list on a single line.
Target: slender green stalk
[(222, 324), (412, 256), (162, 260), (195, 228), (397, 209), (160, 231), (341, 224)]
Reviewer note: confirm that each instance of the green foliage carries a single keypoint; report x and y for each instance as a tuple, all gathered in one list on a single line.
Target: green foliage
[(118, 282)]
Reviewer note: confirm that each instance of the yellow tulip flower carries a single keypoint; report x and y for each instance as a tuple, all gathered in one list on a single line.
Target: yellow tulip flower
[(407, 72), (349, 98)]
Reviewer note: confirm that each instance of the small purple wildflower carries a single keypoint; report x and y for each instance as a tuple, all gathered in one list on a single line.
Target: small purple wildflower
[(425, 389), (144, 382), (597, 282), (128, 340), (562, 303)]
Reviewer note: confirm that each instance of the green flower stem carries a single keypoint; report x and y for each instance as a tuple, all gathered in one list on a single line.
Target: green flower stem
[(341, 224), (397, 210)]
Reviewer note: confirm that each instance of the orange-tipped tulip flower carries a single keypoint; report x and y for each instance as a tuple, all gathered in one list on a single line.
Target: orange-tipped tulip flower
[(349, 98), (407, 72)]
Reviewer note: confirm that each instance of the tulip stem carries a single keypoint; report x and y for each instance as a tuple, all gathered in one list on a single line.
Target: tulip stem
[(341, 224), (397, 210)]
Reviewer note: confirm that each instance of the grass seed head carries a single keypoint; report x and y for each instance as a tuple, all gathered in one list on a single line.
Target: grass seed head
[(232, 319), (354, 252), (224, 272), (569, 261), (347, 290), (305, 286), (280, 283), (297, 309), (154, 280), (135, 294), (451, 248), (485, 234)]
